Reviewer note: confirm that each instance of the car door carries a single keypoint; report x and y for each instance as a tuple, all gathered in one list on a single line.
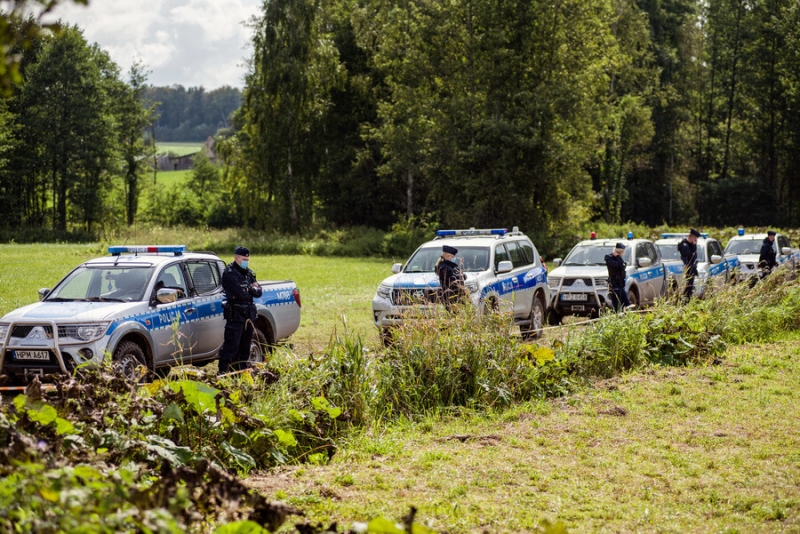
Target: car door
[(717, 273), (208, 324), (657, 271), (523, 296), (173, 330), (784, 258), (505, 281)]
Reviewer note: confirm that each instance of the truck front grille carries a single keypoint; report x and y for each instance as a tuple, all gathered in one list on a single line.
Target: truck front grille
[(22, 331), (569, 281), (410, 297)]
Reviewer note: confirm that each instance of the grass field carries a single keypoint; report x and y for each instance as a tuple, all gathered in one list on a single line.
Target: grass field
[(332, 289), (698, 449), (179, 149)]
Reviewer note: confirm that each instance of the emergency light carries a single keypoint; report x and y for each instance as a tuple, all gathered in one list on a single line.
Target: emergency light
[(472, 231), (630, 235), (148, 249), (704, 235), (740, 231)]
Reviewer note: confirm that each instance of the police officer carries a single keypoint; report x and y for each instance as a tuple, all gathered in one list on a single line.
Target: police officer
[(240, 287), (688, 251), (451, 279), (766, 259), (616, 277)]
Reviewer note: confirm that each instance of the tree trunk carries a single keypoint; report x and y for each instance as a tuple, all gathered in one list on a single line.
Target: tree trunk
[(290, 184), (731, 95), (410, 194)]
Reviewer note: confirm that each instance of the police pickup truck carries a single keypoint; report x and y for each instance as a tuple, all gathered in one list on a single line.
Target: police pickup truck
[(149, 307), (747, 248), (579, 286), (503, 270), (713, 267)]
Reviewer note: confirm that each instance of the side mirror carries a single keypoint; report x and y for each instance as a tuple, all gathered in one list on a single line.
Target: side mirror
[(715, 259), (167, 296), (504, 267), (644, 262), (396, 268), (43, 293), (786, 251), (557, 262)]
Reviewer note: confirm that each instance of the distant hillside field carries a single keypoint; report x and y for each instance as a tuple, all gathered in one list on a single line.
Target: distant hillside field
[(179, 149)]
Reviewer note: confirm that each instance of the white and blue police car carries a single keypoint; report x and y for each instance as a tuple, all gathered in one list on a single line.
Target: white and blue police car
[(747, 249), (148, 307), (503, 270), (713, 267), (579, 285)]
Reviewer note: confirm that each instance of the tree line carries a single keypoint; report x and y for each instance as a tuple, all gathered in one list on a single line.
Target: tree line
[(191, 114), (541, 114)]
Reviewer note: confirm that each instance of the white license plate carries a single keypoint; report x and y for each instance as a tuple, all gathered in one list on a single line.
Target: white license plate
[(577, 307), (574, 296), (37, 355)]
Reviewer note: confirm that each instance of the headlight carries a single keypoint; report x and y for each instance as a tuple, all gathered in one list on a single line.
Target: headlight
[(3, 332), (82, 332), (384, 291), (553, 282), (472, 285)]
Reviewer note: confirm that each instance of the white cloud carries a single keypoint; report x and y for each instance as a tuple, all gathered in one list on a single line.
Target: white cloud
[(187, 42)]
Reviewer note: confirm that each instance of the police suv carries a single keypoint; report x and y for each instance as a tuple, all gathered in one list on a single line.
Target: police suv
[(579, 286), (747, 248), (503, 270), (153, 306), (713, 267)]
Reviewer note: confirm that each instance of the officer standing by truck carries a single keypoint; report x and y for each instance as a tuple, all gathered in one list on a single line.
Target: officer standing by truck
[(766, 259), (451, 279), (240, 287), (616, 277), (688, 251)]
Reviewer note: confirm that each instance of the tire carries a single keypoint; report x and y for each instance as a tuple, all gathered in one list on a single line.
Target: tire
[(259, 348), (130, 361), (386, 337), (553, 317), (633, 297), (490, 306), (537, 320)]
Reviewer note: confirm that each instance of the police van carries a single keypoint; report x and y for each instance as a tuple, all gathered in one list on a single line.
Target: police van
[(148, 307), (747, 249), (579, 285), (714, 268), (503, 271)]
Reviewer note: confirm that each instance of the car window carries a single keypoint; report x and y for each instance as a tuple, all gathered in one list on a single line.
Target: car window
[(641, 251), (515, 253), (500, 254), (172, 278), (202, 276), (744, 246), (652, 253), (528, 251), (783, 242), (714, 248), (594, 254), (117, 283), (469, 259)]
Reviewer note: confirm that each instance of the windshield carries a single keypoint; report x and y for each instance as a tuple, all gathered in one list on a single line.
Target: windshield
[(593, 254), (469, 259), (670, 252), (744, 246), (103, 284)]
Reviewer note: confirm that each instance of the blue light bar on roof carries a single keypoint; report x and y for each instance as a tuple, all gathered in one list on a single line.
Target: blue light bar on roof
[(630, 235), (740, 231), (472, 231), (704, 235), (147, 249)]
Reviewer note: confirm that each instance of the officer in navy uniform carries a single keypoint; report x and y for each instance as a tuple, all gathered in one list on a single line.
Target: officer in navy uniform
[(766, 259), (688, 251), (240, 287), (451, 279), (616, 277)]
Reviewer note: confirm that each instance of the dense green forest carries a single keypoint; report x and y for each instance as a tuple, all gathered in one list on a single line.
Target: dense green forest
[(192, 114), (466, 112)]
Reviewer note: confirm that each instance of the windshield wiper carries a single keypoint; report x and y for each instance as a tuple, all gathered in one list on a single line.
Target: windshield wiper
[(101, 299)]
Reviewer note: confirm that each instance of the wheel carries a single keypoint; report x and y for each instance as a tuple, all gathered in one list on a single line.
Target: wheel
[(386, 337), (129, 360), (537, 320), (633, 297), (490, 306), (258, 348), (553, 317)]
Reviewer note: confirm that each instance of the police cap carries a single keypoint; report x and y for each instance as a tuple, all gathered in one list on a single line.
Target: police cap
[(449, 250), (771, 232), (694, 232), (620, 245), (242, 251)]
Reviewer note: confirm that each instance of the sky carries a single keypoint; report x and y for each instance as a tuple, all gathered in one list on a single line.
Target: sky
[(188, 42)]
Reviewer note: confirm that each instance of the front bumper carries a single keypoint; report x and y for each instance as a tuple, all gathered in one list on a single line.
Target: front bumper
[(385, 314), (588, 304)]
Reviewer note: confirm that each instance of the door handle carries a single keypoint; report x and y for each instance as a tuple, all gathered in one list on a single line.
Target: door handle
[(189, 310)]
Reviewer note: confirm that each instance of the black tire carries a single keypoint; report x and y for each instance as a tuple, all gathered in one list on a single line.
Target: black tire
[(554, 318), (386, 337), (259, 348), (130, 361), (633, 297), (534, 331), (490, 306)]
